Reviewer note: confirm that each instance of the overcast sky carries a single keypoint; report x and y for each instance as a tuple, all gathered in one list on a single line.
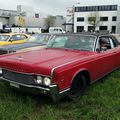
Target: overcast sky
[(54, 7)]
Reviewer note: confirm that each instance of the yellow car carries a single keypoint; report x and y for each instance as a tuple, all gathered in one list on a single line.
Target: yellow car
[(13, 38)]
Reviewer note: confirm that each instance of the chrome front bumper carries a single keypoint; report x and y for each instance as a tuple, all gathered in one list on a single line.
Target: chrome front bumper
[(51, 91)]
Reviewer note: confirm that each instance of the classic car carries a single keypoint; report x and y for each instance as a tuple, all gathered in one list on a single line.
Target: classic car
[(36, 41), (68, 64), (13, 38)]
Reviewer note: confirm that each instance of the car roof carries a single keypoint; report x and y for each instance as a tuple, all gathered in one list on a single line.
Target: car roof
[(86, 34), (43, 34)]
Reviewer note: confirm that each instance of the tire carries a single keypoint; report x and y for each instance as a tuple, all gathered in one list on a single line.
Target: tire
[(77, 87)]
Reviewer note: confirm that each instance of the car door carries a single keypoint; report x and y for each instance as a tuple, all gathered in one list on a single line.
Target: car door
[(106, 59), (116, 46), (16, 39)]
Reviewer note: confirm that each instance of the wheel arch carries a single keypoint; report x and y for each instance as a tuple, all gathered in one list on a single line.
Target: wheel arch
[(85, 72)]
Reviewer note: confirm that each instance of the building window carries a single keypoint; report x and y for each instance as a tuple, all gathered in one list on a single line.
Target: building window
[(114, 18), (96, 8), (76, 9), (80, 19), (103, 28), (90, 28), (80, 28), (103, 18), (113, 29), (113, 7), (36, 15)]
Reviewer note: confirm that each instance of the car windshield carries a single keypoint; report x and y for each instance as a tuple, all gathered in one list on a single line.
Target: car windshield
[(39, 38), (75, 42), (4, 37)]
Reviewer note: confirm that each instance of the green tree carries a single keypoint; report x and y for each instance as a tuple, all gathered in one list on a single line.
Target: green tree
[(49, 21), (94, 20)]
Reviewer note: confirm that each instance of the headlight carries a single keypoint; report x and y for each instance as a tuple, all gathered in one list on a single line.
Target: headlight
[(46, 81), (39, 80)]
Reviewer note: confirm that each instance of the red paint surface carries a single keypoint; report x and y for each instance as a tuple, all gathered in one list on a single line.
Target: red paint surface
[(67, 63)]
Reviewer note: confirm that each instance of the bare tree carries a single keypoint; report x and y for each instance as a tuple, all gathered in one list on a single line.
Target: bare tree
[(94, 20), (49, 21)]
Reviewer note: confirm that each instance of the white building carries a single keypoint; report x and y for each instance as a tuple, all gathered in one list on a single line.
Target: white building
[(69, 19), (5, 16), (109, 16), (26, 16), (26, 10)]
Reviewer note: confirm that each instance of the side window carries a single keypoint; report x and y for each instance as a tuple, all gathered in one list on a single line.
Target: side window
[(18, 37), (115, 42), (23, 37), (112, 43), (15, 38), (104, 42)]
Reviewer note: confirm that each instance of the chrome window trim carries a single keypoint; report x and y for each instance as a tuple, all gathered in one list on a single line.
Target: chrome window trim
[(79, 35), (97, 41)]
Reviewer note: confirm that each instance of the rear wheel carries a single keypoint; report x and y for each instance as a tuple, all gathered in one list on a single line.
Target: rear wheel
[(77, 87)]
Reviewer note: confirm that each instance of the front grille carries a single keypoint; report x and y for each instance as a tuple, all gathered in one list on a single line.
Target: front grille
[(18, 77), (3, 52)]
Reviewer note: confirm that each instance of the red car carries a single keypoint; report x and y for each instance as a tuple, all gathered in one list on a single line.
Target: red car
[(65, 67)]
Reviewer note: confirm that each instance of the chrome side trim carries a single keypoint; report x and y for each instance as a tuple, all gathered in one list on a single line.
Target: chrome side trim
[(90, 57), (52, 71), (30, 86), (51, 86), (64, 91)]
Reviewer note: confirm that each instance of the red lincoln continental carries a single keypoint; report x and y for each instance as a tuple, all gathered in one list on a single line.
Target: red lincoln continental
[(65, 67)]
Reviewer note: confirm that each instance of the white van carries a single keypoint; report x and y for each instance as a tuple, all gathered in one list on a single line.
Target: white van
[(56, 30)]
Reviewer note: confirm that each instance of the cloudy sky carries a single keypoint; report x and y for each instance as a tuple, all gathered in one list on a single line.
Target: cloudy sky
[(54, 7)]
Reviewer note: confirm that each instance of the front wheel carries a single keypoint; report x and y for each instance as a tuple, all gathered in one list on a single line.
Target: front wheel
[(78, 85)]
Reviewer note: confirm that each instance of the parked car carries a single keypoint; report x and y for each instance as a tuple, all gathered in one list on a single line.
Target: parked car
[(13, 38), (56, 30), (68, 64), (37, 41)]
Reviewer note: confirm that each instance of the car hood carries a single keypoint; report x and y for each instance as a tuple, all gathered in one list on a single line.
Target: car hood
[(16, 47), (41, 61)]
